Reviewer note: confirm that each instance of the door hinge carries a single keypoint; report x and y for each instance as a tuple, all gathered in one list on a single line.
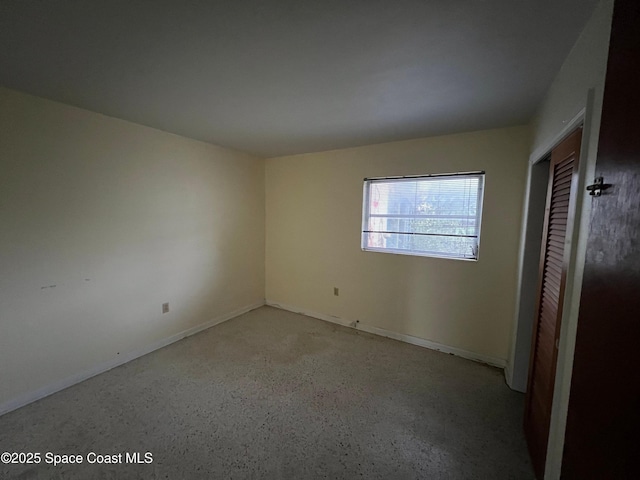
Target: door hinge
[(597, 187)]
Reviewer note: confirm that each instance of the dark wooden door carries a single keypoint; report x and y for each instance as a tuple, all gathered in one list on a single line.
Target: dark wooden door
[(602, 436), (553, 269)]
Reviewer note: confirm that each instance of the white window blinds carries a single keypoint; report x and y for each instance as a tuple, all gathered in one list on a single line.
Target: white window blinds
[(431, 215)]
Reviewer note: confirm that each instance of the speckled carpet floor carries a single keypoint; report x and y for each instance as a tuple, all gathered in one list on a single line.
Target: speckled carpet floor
[(272, 394)]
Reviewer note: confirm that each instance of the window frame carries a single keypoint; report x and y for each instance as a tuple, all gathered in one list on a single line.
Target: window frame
[(368, 181)]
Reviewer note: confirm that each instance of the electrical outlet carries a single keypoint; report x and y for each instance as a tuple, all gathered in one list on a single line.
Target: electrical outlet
[(165, 308), (336, 291)]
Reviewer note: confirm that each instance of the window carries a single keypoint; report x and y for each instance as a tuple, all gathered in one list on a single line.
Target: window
[(427, 215)]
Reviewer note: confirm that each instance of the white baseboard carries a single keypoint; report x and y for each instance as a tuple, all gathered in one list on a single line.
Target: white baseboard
[(421, 342), (508, 376), (47, 390)]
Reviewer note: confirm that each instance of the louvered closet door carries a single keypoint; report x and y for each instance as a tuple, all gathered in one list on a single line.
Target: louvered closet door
[(553, 266)]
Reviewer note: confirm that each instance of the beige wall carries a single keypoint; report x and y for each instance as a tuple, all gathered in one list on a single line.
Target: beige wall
[(314, 208), (120, 218), (583, 69)]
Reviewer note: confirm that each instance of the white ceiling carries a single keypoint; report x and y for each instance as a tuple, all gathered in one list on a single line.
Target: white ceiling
[(290, 76)]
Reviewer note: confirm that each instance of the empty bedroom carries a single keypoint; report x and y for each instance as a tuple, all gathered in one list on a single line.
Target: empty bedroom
[(303, 239)]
